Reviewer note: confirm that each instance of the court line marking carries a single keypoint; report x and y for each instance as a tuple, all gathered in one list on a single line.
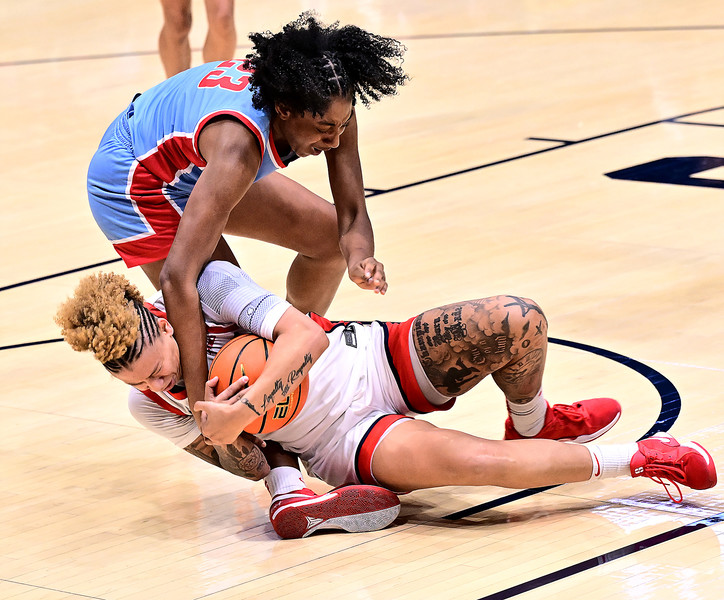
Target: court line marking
[(670, 409), (560, 144), (371, 192), (42, 587), (606, 557), (402, 38), (60, 274)]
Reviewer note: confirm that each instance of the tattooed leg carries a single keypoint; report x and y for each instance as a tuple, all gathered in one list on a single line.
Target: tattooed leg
[(460, 344)]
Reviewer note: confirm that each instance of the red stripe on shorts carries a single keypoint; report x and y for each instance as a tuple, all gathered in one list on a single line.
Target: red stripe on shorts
[(398, 347), (368, 445), (171, 157)]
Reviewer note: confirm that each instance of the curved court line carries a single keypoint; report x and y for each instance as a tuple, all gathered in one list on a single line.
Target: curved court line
[(670, 409)]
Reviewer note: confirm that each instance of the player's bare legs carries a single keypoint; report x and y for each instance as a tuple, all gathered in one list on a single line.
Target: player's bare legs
[(282, 212), (417, 455), (173, 41), (458, 345), (506, 337), (221, 37)]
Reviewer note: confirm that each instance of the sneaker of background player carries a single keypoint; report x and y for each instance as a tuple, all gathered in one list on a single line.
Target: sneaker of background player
[(661, 458), (353, 508), (580, 422)]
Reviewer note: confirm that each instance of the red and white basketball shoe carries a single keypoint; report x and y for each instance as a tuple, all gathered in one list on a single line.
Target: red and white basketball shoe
[(353, 508), (580, 422), (661, 457)]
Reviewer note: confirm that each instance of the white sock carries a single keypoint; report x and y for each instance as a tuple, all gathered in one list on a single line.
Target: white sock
[(611, 460), (284, 480), (529, 418)]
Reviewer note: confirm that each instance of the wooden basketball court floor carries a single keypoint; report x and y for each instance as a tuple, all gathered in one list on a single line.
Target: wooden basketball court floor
[(567, 151)]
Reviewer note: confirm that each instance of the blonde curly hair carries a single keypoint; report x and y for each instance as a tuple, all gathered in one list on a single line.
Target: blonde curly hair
[(106, 316)]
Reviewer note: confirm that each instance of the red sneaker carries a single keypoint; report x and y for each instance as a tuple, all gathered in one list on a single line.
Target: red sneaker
[(353, 508), (580, 422), (661, 457)]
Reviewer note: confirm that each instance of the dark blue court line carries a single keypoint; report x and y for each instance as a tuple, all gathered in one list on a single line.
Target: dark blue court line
[(27, 344), (371, 192), (606, 558), (560, 144), (698, 124), (68, 272), (670, 409)]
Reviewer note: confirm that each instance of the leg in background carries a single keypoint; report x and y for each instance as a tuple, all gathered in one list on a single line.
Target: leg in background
[(173, 41), (221, 37)]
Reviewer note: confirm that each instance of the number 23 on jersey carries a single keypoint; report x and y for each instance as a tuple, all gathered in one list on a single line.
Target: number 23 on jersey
[(231, 75)]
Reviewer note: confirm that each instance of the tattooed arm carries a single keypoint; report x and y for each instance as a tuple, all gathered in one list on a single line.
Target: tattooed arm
[(298, 343), (243, 458)]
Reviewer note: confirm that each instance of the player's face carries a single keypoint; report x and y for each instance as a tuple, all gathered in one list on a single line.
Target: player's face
[(158, 367), (310, 135)]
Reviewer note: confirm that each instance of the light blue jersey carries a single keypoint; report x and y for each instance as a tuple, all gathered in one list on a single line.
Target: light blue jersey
[(148, 161)]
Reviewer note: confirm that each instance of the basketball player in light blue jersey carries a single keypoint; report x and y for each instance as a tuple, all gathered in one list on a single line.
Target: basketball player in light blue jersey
[(196, 157)]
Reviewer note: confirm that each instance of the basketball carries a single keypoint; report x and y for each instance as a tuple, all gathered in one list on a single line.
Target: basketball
[(246, 355)]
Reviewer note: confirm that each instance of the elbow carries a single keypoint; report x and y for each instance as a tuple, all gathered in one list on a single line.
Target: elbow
[(316, 340), (321, 341), (173, 281), (168, 278)]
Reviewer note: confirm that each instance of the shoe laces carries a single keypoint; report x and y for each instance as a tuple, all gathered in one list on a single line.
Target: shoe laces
[(679, 496), (660, 474)]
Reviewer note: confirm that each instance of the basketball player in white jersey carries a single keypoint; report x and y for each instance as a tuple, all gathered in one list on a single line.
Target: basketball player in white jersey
[(368, 380), (108, 317)]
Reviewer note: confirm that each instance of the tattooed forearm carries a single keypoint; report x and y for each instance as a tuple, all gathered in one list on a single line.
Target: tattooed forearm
[(281, 389), (200, 449), (243, 458), (252, 407), (299, 373)]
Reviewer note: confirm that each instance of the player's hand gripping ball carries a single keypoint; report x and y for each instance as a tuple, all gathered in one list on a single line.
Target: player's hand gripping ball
[(246, 355)]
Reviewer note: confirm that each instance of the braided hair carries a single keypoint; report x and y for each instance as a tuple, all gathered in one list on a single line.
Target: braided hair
[(307, 64), (106, 316)]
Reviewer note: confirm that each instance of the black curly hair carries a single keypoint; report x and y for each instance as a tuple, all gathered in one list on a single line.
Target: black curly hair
[(307, 64)]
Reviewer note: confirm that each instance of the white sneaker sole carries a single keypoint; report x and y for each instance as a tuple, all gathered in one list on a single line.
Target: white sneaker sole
[(371, 521)]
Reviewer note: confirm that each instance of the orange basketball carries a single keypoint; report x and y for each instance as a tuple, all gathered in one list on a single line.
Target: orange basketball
[(246, 355)]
